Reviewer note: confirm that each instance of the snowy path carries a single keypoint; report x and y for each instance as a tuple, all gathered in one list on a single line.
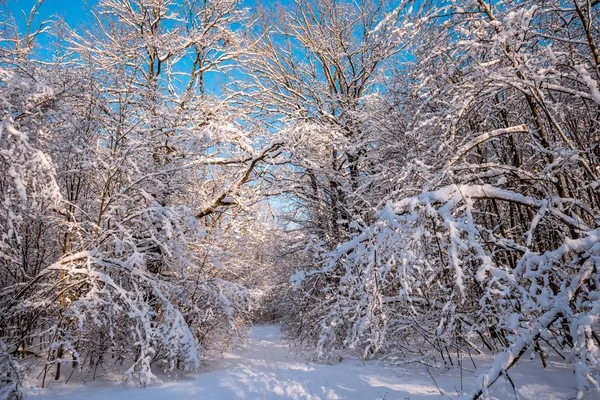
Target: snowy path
[(266, 370)]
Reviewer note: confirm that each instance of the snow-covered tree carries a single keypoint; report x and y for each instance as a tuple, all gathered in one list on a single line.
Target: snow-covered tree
[(135, 161), (313, 71), (487, 233)]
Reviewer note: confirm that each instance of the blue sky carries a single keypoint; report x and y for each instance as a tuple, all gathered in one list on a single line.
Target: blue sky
[(77, 13), (74, 12)]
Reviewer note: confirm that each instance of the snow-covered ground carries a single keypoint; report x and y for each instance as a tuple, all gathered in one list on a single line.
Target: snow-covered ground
[(265, 369)]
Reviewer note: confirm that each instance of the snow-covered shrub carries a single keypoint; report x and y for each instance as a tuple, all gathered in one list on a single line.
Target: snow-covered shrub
[(429, 276), (12, 376)]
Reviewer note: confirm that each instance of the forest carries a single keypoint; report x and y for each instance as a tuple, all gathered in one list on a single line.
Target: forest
[(409, 181)]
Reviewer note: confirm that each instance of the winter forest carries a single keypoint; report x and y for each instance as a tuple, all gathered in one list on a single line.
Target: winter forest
[(411, 182)]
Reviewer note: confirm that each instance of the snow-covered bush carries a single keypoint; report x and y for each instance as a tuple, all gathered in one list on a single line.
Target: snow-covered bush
[(12, 376)]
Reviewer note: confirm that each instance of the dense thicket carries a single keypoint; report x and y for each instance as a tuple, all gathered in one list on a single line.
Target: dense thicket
[(123, 183), (434, 167), (475, 209)]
